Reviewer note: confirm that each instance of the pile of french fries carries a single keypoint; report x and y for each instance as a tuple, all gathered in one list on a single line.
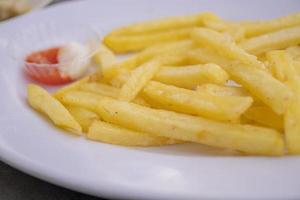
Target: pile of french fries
[(198, 78)]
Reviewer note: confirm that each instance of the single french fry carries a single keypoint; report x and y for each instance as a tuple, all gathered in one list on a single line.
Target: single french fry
[(205, 55), (245, 138), (109, 91), (177, 49), (262, 85), (73, 86), (42, 101), (191, 76), (138, 79), (222, 90), (256, 28), (224, 46), (225, 108), (264, 116), (159, 25), (114, 134), (105, 59), (83, 116), (125, 44), (272, 41)]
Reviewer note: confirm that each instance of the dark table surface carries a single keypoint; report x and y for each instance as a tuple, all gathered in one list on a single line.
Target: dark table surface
[(15, 185)]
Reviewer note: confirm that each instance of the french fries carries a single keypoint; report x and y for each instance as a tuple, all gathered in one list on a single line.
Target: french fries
[(226, 108), (256, 28), (224, 46), (245, 138), (109, 91), (168, 50), (191, 76), (181, 76), (272, 41), (73, 86), (205, 55), (125, 44), (165, 24), (114, 134), (83, 116), (195, 78), (292, 115), (42, 101), (137, 80), (262, 85)]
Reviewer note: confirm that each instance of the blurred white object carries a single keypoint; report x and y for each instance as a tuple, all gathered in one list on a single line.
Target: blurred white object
[(37, 4), (78, 54), (12, 8)]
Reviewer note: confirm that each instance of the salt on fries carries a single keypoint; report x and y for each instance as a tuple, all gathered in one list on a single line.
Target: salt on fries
[(175, 87)]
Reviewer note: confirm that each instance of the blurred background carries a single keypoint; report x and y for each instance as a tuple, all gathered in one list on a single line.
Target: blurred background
[(15, 185)]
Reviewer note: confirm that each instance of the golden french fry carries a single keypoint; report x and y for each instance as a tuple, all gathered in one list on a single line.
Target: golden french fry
[(159, 25), (109, 91), (256, 28), (224, 46), (264, 116), (191, 76), (262, 85), (205, 55), (222, 90), (43, 102), (73, 86), (105, 59), (272, 41), (114, 134), (83, 116), (138, 79), (125, 44), (225, 108), (177, 49)]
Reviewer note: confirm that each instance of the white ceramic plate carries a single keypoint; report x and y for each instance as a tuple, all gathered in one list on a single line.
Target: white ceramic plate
[(31, 144)]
